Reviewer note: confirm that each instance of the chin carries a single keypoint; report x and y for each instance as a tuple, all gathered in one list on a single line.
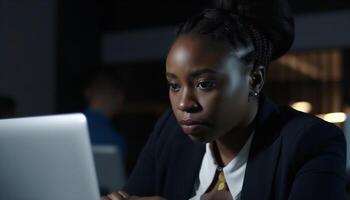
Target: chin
[(200, 139)]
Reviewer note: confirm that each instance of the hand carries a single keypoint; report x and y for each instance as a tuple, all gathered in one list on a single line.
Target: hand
[(121, 195)]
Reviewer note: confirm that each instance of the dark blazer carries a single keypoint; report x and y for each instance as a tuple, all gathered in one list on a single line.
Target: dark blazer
[(293, 156)]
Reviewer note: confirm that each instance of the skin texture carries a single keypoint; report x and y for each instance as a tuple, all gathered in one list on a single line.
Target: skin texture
[(209, 90)]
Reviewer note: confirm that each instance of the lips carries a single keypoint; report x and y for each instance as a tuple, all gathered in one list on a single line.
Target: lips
[(189, 122), (190, 126)]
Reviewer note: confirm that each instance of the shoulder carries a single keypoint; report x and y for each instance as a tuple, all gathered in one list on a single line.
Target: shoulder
[(164, 127), (307, 137), (166, 121), (166, 130), (297, 124)]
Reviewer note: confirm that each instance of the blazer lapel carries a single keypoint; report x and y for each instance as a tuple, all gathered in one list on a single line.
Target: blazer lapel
[(264, 154), (184, 170)]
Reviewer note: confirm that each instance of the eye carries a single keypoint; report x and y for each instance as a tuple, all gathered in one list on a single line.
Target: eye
[(206, 85), (174, 87)]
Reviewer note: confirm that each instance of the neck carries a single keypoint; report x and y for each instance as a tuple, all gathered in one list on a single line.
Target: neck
[(228, 150), (229, 145)]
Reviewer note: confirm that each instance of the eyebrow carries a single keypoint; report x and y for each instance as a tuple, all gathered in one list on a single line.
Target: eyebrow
[(202, 71), (195, 73)]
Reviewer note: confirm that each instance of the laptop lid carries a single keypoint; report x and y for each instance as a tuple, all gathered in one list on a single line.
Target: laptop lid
[(47, 157)]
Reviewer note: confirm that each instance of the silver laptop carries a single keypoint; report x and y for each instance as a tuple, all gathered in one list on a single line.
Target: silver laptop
[(46, 157)]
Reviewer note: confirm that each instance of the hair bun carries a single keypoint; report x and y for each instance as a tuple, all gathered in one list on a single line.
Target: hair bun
[(273, 18)]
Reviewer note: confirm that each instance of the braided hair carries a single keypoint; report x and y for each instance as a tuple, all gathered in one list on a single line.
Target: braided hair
[(236, 24), (223, 26)]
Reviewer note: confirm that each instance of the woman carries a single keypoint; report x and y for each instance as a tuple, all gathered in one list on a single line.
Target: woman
[(223, 138)]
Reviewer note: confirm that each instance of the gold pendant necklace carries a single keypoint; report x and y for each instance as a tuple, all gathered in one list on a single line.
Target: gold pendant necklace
[(221, 184)]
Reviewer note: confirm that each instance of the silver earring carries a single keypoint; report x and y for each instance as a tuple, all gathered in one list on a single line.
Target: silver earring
[(252, 94)]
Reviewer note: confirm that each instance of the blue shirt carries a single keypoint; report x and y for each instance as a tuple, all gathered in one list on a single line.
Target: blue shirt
[(102, 132)]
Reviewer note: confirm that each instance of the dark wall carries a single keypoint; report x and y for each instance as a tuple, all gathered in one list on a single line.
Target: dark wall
[(78, 50), (27, 55)]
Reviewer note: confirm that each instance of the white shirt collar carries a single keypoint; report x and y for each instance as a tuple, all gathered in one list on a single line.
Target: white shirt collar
[(234, 171)]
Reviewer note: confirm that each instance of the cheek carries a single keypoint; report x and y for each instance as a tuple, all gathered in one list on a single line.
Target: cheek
[(229, 107), (173, 103), (210, 102)]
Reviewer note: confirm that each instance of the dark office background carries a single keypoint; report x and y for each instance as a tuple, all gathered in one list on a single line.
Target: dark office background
[(49, 48)]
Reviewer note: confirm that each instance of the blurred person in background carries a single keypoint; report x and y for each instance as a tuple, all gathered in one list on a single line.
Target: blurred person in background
[(105, 97)]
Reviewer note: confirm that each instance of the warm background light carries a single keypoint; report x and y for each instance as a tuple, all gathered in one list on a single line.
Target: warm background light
[(337, 117), (302, 106)]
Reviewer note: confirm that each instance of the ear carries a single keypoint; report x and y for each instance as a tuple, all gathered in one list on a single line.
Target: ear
[(257, 78)]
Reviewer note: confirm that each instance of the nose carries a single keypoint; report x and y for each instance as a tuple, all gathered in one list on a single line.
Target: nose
[(188, 102)]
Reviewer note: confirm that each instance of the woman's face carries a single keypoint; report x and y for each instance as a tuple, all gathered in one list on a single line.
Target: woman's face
[(208, 88)]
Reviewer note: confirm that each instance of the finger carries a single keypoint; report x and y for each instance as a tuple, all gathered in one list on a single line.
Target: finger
[(115, 196), (106, 198), (123, 194)]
